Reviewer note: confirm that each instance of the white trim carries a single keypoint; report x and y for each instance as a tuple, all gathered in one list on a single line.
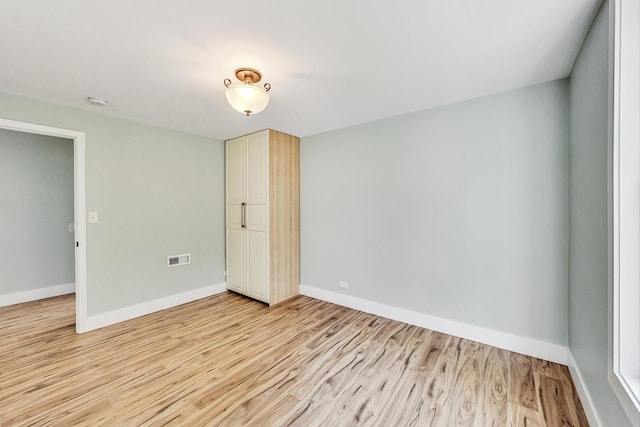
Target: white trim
[(79, 201), (36, 294), (80, 221), (531, 347), (624, 274), (623, 393), (116, 316), (581, 387)]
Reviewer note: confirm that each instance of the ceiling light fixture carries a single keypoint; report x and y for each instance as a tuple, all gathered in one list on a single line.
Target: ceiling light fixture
[(246, 97)]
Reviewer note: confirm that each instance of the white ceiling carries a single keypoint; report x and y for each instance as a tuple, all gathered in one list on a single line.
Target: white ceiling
[(331, 63)]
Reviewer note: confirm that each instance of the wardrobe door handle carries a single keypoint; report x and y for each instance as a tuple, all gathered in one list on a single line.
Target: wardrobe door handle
[(244, 213)]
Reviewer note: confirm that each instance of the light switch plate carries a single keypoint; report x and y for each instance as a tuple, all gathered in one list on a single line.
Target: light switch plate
[(93, 217)]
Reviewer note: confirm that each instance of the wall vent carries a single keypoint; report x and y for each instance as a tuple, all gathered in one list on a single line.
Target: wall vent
[(176, 260)]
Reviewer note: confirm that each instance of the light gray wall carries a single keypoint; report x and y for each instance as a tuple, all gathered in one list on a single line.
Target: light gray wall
[(158, 192), (589, 258), (459, 212), (36, 193)]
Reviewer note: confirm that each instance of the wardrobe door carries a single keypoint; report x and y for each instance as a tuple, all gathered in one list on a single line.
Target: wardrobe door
[(236, 246), (257, 216), (258, 168), (257, 265), (235, 170), (236, 266)]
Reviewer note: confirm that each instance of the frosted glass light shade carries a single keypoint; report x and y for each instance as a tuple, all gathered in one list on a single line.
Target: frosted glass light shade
[(247, 98)]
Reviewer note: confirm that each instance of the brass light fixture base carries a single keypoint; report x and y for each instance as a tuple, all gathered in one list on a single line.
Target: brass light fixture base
[(248, 75), (247, 97)]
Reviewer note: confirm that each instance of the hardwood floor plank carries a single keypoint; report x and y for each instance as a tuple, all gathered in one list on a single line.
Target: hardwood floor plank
[(493, 403), (554, 404), (522, 392), (230, 361), (463, 400), (525, 417)]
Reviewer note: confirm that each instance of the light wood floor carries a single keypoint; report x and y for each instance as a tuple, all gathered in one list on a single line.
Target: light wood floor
[(227, 360)]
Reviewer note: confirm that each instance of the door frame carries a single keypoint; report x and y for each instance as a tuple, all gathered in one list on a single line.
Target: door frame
[(79, 206)]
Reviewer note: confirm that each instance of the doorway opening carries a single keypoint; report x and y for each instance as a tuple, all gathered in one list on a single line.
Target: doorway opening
[(79, 206)]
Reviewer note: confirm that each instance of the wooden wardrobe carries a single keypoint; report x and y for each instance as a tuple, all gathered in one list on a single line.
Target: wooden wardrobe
[(263, 215)]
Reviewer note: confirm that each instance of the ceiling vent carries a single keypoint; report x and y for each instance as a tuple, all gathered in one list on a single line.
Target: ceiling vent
[(176, 260)]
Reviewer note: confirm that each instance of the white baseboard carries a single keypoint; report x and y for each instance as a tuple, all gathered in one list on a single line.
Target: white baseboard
[(116, 316), (531, 347), (36, 294), (581, 388)]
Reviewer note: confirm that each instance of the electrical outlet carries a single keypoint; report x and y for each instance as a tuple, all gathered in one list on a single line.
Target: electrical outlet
[(343, 285)]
